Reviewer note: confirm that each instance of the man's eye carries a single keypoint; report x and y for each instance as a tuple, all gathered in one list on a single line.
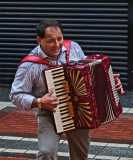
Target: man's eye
[(50, 41), (60, 38)]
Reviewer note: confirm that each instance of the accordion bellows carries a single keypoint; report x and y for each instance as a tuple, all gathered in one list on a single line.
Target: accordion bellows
[(86, 91)]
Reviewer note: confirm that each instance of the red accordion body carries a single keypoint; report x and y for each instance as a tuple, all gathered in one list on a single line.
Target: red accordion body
[(90, 98)]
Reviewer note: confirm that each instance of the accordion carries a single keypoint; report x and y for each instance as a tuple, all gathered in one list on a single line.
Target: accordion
[(86, 93)]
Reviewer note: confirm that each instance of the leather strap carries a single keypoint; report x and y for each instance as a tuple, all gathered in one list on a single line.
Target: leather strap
[(37, 59), (67, 45)]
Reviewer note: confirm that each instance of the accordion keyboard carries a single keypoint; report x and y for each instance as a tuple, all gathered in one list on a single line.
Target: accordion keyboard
[(56, 82), (115, 93)]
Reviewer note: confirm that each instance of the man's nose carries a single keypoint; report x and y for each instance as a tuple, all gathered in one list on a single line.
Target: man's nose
[(57, 44)]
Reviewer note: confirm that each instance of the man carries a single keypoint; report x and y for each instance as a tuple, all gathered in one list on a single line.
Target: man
[(29, 91)]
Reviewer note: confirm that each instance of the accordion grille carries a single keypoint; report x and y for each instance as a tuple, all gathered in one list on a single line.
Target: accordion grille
[(83, 108)]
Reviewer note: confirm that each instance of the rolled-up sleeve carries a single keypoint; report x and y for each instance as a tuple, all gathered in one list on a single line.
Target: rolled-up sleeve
[(20, 94)]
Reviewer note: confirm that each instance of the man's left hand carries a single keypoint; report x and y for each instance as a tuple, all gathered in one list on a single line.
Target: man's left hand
[(118, 83)]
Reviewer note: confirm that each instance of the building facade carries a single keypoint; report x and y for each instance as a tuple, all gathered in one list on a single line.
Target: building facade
[(99, 26)]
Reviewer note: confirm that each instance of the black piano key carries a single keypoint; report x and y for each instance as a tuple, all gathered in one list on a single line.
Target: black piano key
[(65, 117), (59, 81), (64, 101), (57, 73), (64, 113), (57, 69), (58, 76), (67, 125), (56, 90), (67, 120), (60, 93), (63, 106), (64, 110)]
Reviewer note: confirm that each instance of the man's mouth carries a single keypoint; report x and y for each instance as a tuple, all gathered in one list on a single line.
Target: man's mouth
[(56, 50)]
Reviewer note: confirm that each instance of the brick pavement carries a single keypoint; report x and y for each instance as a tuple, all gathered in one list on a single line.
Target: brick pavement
[(15, 121)]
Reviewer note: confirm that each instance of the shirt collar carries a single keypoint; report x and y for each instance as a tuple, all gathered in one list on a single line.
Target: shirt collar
[(43, 55)]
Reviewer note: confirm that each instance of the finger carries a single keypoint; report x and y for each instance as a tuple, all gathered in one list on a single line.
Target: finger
[(55, 103), (50, 93), (51, 108), (118, 84), (54, 106), (116, 75), (54, 99), (119, 88), (122, 91)]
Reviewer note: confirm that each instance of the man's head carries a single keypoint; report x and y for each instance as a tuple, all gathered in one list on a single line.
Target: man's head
[(50, 37)]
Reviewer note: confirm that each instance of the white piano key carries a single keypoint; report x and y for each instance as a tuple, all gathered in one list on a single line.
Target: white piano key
[(63, 104), (62, 97), (65, 115), (60, 92), (59, 78), (64, 100), (58, 87), (64, 108), (62, 82), (68, 122), (56, 75)]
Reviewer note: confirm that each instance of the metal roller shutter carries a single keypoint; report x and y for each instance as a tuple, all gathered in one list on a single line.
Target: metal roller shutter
[(99, 26)]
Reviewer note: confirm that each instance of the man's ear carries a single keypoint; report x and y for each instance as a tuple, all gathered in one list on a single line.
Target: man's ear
[(38, 40)]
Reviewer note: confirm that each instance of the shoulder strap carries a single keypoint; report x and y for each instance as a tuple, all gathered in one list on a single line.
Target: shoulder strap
[(67, 44), (37, 59)]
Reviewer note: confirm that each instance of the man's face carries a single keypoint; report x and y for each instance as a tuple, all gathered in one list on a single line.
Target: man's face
[(52, 43)]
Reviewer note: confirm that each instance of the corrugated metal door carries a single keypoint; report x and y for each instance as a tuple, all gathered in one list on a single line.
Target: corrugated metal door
[(98, 26)]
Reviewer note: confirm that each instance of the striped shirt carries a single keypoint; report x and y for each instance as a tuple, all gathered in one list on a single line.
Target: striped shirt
[(29, 79)]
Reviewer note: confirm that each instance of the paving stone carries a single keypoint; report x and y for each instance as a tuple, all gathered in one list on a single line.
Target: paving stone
[(32, 152), (118, 145), (15, 150), (26, 145), (95, 149), (63, 148), (2, 149), (114, 151), (106, 157), (126, 158), (7, 143), (11, 138)]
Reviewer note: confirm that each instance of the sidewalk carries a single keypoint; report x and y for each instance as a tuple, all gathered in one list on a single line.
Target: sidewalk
[(18, 136)]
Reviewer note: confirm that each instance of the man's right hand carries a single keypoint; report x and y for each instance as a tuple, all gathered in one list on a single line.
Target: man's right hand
[(49, 103)]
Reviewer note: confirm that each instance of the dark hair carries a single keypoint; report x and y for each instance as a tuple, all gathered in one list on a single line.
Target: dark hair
[(40, 29)]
